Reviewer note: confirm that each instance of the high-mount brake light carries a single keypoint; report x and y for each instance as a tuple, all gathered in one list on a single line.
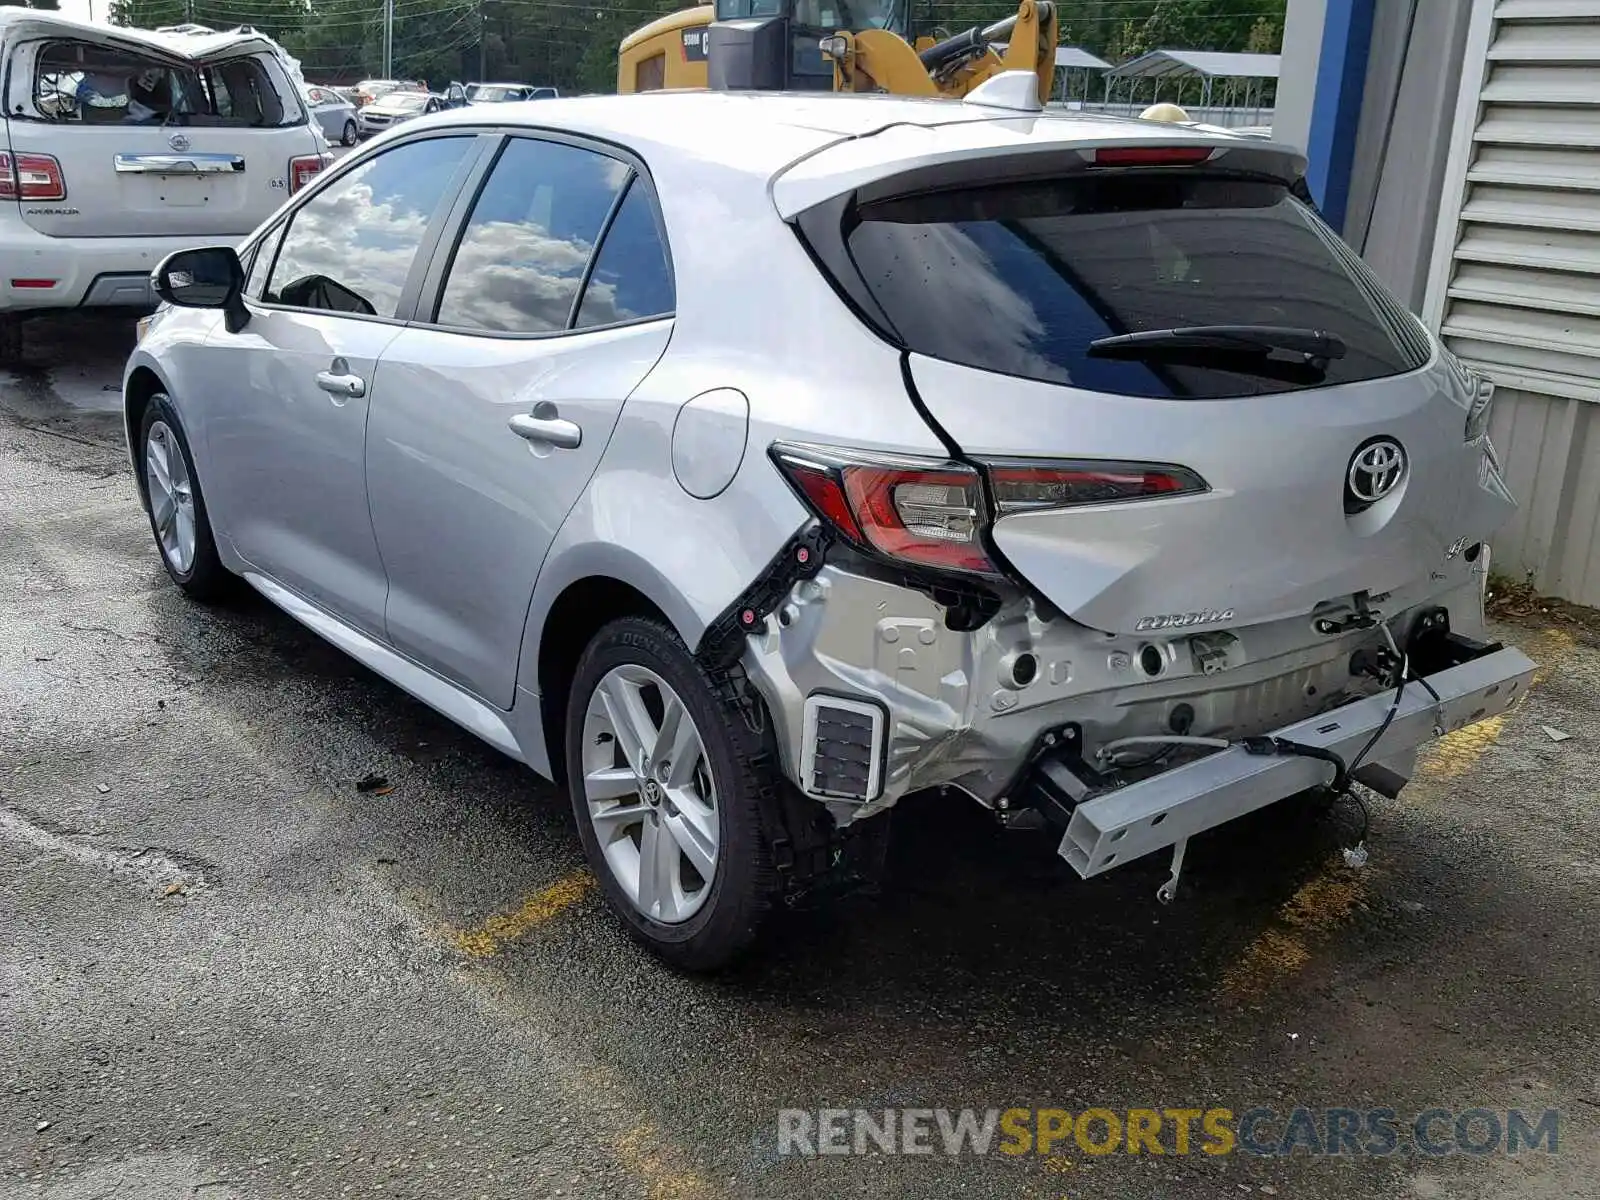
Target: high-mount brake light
[(934, 513), (1151, 156)]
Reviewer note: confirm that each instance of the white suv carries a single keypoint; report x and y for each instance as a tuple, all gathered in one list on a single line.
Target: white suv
[(119, 146)]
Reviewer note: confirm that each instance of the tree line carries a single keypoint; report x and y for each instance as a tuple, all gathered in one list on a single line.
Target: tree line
[(573, 45)]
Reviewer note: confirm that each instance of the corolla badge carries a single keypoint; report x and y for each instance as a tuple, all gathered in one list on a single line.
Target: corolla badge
[(178, 142), (1375, 470), (1182, 620)]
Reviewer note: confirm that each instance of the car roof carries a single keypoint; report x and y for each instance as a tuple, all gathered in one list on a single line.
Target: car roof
[(765, 133), (757, 131), (199, 44)]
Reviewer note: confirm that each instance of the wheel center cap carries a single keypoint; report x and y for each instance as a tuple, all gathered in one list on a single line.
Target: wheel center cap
[(652, 792)]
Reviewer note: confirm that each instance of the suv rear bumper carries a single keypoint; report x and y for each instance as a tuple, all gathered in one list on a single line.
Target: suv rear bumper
[(109, 272)]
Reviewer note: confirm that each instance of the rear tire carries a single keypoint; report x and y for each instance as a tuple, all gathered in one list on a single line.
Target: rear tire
[(177, 507), (348, 137), (676, 845)]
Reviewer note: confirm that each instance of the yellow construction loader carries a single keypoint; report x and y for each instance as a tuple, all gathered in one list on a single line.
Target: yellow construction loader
[(832, 45)]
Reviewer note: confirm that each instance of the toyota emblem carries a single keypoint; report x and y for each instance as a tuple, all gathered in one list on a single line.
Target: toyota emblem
[(1376, 470), (178, 142)]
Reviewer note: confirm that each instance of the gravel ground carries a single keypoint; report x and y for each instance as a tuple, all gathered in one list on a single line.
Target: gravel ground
[(226, 972)]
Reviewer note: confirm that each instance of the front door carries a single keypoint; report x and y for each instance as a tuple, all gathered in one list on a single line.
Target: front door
[(293, 391), (496, 412)]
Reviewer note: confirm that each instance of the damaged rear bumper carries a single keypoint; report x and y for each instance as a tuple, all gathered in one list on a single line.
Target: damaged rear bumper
[(1164, 811)]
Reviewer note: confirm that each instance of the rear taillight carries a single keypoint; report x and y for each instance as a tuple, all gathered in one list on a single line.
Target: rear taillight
[(31, 177), (1150, 156), (304, 169), (921, 511), (1481, 408), (935, 513), (1025, 487)]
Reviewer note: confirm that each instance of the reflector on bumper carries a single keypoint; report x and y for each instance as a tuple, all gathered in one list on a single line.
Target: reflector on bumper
[(1159, 812)]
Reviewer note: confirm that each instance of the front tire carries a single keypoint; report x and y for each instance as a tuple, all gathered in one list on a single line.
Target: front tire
[(177, 507), (10, 340), (348, 137), (664, 778)]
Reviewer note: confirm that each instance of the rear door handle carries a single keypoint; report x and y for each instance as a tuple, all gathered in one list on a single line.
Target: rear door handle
[(543, 425)]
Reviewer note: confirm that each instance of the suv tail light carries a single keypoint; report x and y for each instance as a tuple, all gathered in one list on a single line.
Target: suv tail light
[(934, 513), (304, 168), (31, 177)]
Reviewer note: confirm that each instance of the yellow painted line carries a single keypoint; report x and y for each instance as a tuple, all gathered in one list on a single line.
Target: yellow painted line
[(1322, 904), (646, 1155), (491, 937), (1455, 754), (1333, 896)]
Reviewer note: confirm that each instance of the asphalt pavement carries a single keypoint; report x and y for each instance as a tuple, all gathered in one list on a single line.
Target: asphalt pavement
[(228, 972)]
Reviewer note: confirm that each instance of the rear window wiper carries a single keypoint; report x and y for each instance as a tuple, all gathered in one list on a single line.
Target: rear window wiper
[(1315, 345)]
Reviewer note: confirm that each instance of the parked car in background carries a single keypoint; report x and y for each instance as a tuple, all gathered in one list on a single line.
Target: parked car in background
[(395, 108), (335, 114), (503, 93), (455, 96), (118, 146), (369, 90), (1129, 501)]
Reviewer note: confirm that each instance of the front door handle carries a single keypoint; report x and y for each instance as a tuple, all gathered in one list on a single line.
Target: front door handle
[(543, 425), (338, 380)]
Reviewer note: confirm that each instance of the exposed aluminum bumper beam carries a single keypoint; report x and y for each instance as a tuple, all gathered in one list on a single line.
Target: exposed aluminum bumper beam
[(1162, 811)]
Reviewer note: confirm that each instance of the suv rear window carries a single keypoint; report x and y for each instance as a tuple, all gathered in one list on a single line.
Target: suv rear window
[(82, 83), (1020, 278)]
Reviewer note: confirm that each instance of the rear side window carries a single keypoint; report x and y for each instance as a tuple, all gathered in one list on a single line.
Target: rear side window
[(522, 255), (631, 280), (1021, 279)]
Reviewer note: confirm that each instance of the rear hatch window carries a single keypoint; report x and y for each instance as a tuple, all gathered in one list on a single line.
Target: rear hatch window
[(80, 83), (1025, 278)]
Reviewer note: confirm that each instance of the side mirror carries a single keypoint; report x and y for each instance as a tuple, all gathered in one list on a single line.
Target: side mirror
[(210, 277)]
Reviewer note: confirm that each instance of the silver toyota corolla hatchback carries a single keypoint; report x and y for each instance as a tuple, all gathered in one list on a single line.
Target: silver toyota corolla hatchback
[(748, 463)]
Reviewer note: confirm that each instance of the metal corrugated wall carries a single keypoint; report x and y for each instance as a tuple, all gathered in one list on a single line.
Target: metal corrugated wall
[(1514, 284)]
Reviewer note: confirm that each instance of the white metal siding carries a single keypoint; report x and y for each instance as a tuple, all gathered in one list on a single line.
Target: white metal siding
[(1515, 281)]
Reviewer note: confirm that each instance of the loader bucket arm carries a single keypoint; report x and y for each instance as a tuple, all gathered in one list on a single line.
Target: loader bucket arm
[(876, 59)]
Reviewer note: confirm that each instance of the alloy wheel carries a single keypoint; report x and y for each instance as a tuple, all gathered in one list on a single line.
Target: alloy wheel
[(649, 793), (166, 474)]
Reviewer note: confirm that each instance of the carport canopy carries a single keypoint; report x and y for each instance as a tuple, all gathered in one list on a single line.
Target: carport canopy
[(1068, 58), (1207, 64)]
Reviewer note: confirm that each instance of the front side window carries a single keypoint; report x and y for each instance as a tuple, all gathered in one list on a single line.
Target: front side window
[(350, 248), (266, 248), (523, 252)]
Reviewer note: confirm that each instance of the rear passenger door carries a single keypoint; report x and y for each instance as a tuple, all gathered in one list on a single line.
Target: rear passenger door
[(537, 320)]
